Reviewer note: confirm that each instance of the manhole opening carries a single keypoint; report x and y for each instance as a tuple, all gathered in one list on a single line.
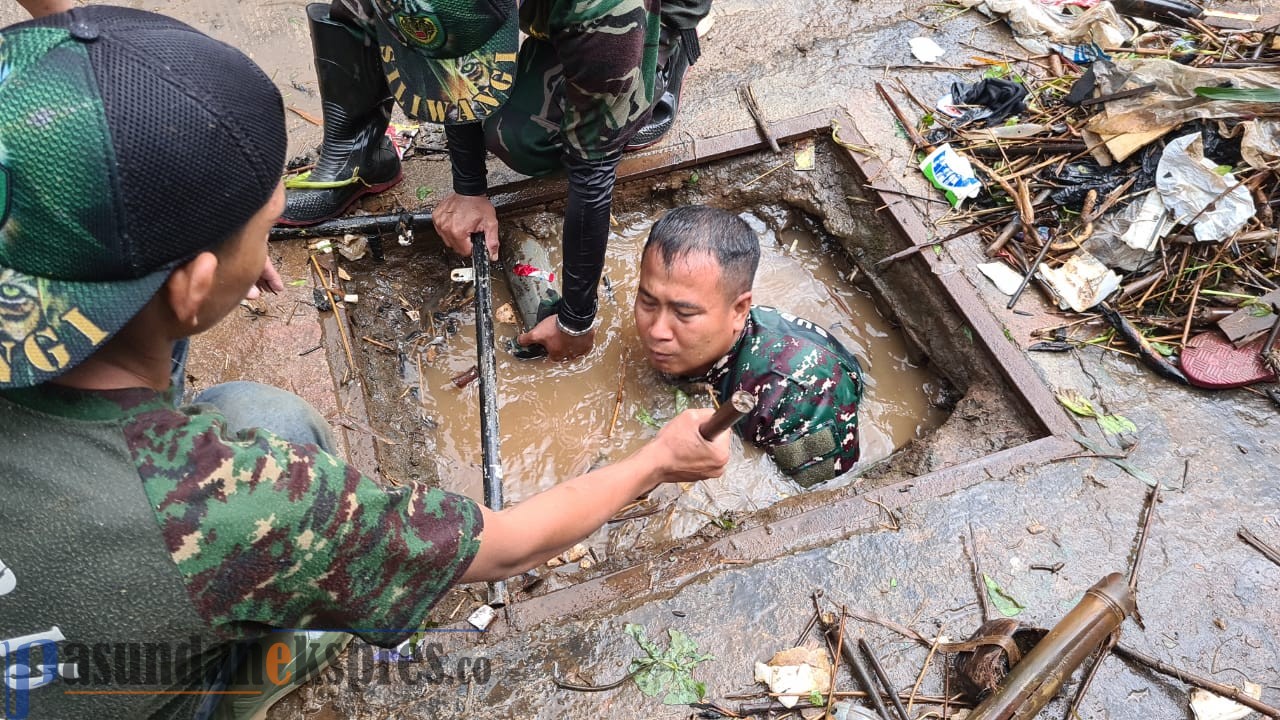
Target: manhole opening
[(934, 400)]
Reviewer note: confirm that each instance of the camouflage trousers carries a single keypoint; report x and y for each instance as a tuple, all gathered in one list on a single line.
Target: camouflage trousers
[(525, 132)]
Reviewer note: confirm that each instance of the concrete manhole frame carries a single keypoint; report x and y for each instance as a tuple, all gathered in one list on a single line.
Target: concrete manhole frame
[(819, 526)]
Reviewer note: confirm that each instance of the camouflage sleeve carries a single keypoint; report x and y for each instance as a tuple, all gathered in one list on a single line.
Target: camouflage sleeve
[(609, 53), (270, 533), (816, 390)]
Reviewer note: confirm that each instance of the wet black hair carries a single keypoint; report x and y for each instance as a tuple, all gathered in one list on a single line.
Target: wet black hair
[(719, 233)]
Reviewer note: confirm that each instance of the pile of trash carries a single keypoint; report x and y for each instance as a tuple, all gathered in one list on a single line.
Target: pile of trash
[(1130, 168)]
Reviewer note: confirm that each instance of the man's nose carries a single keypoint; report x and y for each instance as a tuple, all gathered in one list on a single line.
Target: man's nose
[(661, 329)]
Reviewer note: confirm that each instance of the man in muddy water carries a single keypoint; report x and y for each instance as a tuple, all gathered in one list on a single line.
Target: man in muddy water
[(590, 81), (696, 322), (215, 537)]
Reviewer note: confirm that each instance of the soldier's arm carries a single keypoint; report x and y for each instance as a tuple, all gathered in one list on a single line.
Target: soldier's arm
[(532, 532), (468, 209), (40, 8), (605, 97)]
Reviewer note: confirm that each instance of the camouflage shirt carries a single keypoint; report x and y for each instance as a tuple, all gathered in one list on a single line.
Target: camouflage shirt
[(123, 518), (807, 388)]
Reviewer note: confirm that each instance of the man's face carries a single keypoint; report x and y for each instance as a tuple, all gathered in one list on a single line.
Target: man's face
[(685, 320), (240, 262)]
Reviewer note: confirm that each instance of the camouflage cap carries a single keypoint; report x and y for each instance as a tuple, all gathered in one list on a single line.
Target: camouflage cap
[(129, 143), (448, 61)]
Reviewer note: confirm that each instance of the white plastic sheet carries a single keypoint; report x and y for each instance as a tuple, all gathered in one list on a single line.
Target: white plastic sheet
[(1189, 182)]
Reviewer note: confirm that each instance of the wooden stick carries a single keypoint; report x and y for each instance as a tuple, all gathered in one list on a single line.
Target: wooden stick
[(1226, 691), (617, 398), (1253, 540), (337, 316), (306, 116), (885, 683), (917, 248), (1153, 497), (1012, 226), (907, 126), (835, 666), (920, 678), (382, 345), (753, 108), (1031, 272), (978, 578)]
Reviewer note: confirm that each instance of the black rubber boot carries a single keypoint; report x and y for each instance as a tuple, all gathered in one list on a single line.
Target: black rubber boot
[(678, 50), (357, 158)]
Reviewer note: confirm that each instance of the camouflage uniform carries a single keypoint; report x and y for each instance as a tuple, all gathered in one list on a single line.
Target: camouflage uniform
[(807, 388), (194, 534), (584, 82)]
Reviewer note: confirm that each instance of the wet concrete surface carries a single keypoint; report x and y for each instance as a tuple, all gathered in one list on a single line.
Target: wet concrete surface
[(1209, 601)]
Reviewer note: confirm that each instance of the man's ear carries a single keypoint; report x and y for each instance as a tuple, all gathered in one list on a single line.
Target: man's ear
[(741, 306), (189, 287)]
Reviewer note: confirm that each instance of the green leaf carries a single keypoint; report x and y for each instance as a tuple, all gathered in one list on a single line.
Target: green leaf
[(1258, 95), (645, 418), (682, 401), (1257, 309), (1077, 403), (1124, 465), (681, 645), (652, 679), (694, 177), (667, 670), (701, 688), (1163, 348), (642, 639), (298, 283), (815, 698), (423, 192), (1003, 601), (1223, 169), (1116, 424), (937, 250), (684, 690), (893, 582)]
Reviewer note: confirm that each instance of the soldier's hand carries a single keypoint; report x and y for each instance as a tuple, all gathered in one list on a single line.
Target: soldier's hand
[(41, 8), (559, 346), (269, 281), (690, 456), (457, 216)]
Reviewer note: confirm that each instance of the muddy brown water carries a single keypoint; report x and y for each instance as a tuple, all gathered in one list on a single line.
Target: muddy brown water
[(556, 418)]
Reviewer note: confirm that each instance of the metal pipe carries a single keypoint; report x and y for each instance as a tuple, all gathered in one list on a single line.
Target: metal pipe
[(1038, 677), (357, 225), (486, 361), (730, 412)]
